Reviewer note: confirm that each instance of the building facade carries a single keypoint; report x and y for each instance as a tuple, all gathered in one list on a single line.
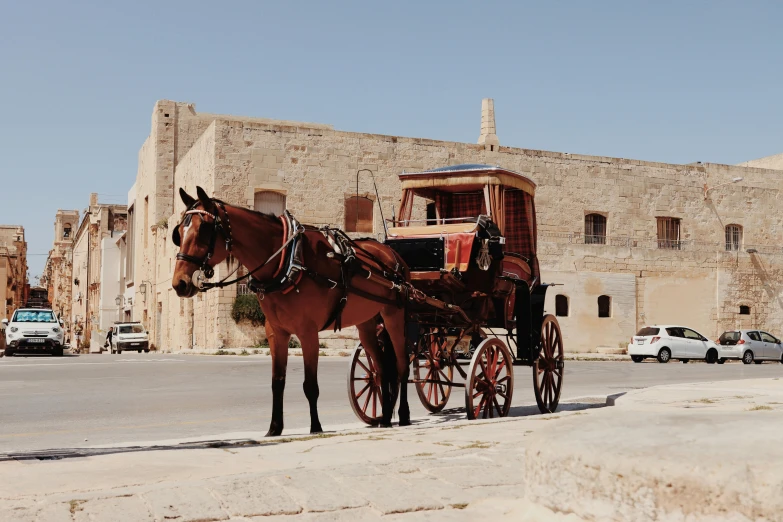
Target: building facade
[(630, 242), (58, 271), (95, 286), (13, 269)]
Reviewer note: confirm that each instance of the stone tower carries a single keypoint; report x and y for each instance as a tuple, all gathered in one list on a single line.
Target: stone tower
[(488, 136)]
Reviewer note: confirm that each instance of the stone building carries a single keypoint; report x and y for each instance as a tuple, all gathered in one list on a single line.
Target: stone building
[(13, 269), (95, 281), (58, 270), (631, 242)]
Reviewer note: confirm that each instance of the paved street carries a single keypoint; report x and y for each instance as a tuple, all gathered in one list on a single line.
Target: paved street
[(102, 399)]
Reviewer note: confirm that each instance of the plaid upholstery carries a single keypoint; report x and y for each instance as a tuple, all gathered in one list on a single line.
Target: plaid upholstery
[(521, 226), (459, 205)]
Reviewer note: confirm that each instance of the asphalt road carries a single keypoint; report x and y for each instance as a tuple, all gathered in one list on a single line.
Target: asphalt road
[(88, 400)]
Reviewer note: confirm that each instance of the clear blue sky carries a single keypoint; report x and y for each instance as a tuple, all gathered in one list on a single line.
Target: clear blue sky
[(665, 81)]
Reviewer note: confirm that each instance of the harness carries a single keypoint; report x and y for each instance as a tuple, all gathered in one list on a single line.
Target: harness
[(291, 266)]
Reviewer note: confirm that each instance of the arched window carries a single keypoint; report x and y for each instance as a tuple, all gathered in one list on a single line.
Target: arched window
[(561, 305), (67, 231), (604, 306), (733, 238), (595, 229), (358, 214), (269, 202), (744, 310)]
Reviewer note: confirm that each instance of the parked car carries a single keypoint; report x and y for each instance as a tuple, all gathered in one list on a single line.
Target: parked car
[(750, 346), (129, 337), (666, 342), (33, 330)]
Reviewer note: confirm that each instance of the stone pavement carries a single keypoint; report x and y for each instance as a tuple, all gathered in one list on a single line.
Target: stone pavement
[(683, 452)]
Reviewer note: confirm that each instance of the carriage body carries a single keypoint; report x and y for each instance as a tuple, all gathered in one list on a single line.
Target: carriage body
[(474, 259)]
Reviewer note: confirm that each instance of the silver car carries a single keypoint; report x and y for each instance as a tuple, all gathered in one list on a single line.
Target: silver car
[(750, 346)]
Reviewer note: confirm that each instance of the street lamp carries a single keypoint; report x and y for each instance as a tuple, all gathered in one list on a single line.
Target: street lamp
[(118, 300), (735, 180)]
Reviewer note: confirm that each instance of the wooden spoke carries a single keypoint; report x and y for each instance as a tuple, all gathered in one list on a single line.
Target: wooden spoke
[(547, 377), (366, 397), (434, 361), (490, 383)]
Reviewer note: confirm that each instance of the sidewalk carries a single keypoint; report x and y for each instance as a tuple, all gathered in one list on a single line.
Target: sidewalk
[(684, 452)]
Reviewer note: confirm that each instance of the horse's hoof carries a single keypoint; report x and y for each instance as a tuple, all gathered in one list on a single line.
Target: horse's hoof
[(405, 422), (385, 425), (274, 431), (316, 429)]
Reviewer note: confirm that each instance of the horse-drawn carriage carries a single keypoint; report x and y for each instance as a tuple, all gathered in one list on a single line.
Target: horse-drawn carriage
[(461, 280), (477, 293)]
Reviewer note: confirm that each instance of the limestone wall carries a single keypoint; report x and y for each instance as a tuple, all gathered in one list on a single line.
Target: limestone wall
[(315, 167)]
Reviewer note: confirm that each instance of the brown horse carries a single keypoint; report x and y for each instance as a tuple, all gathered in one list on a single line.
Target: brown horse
[(211, 228)]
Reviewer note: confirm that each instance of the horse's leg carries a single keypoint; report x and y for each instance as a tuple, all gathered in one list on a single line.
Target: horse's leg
[(309, 341), (394, 319), (278, 343), (369, 338)]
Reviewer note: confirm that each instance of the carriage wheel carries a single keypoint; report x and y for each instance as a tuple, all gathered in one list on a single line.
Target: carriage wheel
[(364, 387), (490, 381), (433, 363), (548, 368)]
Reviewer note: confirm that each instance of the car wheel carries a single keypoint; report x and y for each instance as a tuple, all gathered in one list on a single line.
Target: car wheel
[(639, 358), (723, 361), (139, 350), (758, 362), (119, 351), (684, 361), (147, 350), (747, 357), (9, 352), (57, 352), (664, 355), (712, 357)]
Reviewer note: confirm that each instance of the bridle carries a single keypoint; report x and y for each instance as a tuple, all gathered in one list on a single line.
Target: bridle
[(220, 225)]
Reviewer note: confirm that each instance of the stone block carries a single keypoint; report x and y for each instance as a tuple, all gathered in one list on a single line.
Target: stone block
[(119, 509), (184, 504), (253, 496)]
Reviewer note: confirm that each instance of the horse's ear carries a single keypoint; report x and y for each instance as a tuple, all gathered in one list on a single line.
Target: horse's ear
[(187, 199), (202, 196)]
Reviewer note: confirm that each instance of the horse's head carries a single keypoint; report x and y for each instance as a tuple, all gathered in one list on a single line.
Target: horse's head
[(203, 238)]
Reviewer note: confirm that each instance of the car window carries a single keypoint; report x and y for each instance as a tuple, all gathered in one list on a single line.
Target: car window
[(690, 334), (674, 332), (754, 336), (131, 328), (648, 330), (767, 338), (33, 316)]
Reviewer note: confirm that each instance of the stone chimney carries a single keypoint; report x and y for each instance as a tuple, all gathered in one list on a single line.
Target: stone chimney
[(94, 198), (488, 138)]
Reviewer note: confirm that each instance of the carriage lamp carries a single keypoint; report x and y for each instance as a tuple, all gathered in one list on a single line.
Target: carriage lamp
[(706, 189)]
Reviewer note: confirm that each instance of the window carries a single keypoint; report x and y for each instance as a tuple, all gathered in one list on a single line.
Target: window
[(67, 231), (130, 241), (595, 229), (768, 338), (561, 305), (754, 336), (358, 214), (733, 237), (648, 331), (269, 202), (146, 218), (669, 233), (690, 334), (432, 216), (744, 310), (675, 332), (604, 306)]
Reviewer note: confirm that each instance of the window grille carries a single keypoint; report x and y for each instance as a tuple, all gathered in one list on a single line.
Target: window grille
[(733, 237), (595, 229), (669, 233)]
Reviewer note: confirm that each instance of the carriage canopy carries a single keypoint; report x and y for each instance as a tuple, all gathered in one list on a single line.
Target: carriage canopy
[(462, 191)]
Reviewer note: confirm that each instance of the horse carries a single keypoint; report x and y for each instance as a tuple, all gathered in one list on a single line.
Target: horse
[(325, 295)]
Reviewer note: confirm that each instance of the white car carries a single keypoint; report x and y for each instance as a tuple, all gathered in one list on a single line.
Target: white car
[(750, 346), (33, 330), (128, 337), (666, 342)]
